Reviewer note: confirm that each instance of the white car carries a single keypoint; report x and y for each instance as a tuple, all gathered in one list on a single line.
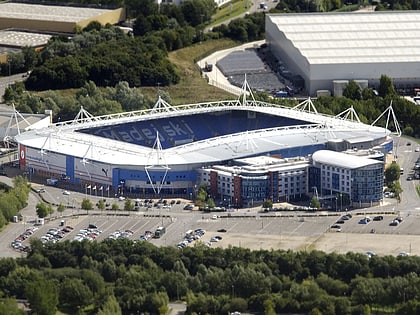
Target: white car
[(66, 192)]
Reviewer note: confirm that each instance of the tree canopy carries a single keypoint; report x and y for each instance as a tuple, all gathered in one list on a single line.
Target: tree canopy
[(124, 277)]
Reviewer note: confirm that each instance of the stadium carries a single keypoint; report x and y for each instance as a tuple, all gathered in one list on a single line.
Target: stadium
[(157, 152)]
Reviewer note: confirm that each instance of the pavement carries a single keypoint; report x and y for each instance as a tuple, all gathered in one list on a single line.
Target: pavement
[(216, 77)]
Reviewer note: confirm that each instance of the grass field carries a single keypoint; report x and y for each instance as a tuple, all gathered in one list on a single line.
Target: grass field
[(193, 88), (230, 10)]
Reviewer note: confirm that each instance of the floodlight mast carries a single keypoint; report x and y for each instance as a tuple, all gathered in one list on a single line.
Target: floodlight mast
[(391, 115)]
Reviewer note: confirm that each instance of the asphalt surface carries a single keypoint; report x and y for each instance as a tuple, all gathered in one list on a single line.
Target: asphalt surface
[(249, 228), (239, 227)]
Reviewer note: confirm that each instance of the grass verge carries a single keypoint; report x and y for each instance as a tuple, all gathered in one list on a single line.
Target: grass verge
[(229, 11), (193, 88)]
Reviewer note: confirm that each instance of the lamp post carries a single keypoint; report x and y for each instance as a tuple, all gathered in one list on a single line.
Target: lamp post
[(341, 201)]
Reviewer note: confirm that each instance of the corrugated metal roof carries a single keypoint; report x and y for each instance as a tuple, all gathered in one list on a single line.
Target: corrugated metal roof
[(47, 12), (22, 39), (353, 37)]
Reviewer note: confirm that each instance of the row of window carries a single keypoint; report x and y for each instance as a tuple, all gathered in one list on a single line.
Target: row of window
[(335, 169)]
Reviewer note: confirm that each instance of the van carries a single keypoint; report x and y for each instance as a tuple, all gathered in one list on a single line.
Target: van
[(189, 234)]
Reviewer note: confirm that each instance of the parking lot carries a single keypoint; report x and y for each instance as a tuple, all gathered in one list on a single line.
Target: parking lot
[(255, 230)]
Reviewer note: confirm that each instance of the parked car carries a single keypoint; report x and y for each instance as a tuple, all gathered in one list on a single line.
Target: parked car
[(370, 254), (378, 218), (365, 220)]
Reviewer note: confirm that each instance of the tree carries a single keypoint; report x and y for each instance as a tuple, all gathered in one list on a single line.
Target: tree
[(211, 203), (128, 205), (392, 173), (94, 25), (115, 206), (87, 204), (111, 307), (42, 296), (101, 204), (386, 86), (269, 307), (9, 306), (267, 204), (315, 203), (60, 209), (353, 91), (43, 210), (74, 294)]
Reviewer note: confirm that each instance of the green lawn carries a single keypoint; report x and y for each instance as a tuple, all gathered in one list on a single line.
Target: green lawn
[(192, 88), (230, 10)]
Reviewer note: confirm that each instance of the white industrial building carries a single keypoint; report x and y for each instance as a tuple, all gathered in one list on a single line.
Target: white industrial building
[(327, 49)]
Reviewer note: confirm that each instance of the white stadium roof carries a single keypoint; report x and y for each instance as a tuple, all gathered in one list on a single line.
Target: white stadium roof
[(362, 37), (63, 138)]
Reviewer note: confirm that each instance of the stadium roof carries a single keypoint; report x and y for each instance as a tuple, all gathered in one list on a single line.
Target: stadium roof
[(41, 12), (64, 138), (362, 37), (342, 159)]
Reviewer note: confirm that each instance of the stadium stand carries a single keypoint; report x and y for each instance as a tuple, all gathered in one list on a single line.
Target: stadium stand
[(176, 131)]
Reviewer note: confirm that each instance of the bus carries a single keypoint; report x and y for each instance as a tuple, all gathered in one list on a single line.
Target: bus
[(159, 232)]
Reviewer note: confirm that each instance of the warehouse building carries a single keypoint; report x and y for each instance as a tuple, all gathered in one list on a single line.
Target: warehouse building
[(54, 18), (328, 49)]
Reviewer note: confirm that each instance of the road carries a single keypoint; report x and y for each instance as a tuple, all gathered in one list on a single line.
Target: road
[(6, 81)]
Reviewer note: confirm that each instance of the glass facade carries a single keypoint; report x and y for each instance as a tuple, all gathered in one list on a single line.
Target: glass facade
[(367, 184), (255, 188)]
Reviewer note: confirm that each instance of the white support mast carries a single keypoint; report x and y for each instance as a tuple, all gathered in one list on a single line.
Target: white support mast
[(156, 162)]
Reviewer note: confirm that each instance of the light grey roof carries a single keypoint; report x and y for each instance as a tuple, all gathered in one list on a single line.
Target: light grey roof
[(47, 12), (362, 37), (21, 39), (342, 159), (65, 140)]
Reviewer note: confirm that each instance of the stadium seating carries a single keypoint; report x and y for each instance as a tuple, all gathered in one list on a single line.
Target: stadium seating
[(179, 130)]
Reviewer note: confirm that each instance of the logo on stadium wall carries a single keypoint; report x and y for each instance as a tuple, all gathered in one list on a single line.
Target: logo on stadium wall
[(22, 156)]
